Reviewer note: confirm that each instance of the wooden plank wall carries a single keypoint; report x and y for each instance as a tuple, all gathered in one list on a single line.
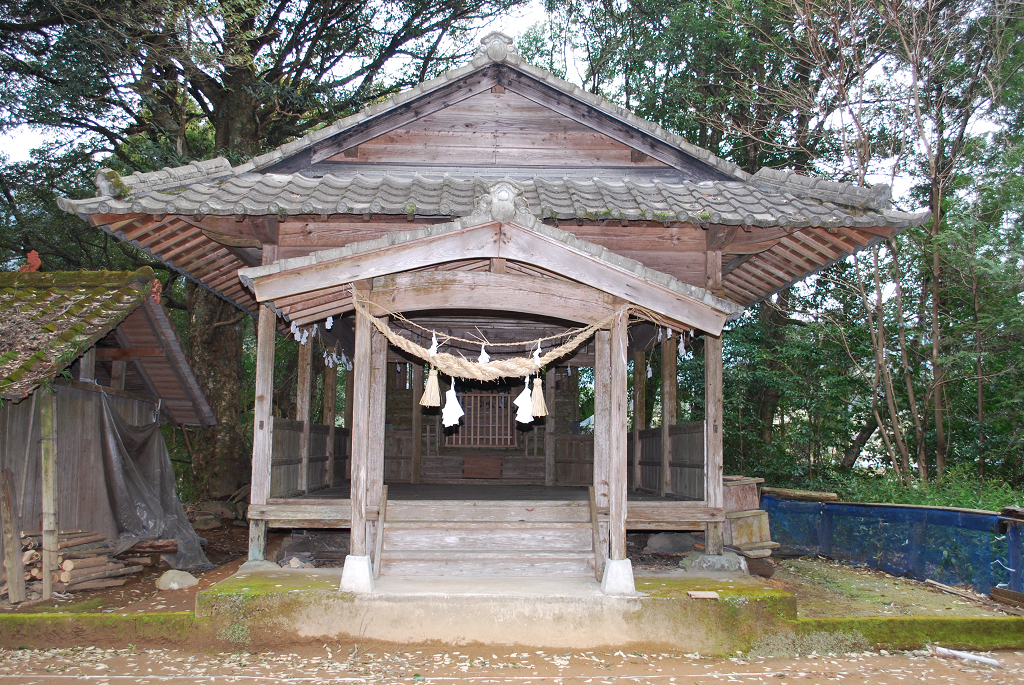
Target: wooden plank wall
[(687, 466), (286, 461), (82, 501)]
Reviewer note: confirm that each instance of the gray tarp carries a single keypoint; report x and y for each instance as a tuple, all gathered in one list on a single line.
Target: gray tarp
[(140, 485)]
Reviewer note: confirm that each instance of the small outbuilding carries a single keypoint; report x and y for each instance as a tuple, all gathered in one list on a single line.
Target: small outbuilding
[(90, 366)]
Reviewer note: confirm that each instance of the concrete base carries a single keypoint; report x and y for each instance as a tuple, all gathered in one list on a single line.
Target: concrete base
[(618, 578), (258, 565), (563, 613), (727, 562), (358, 575)]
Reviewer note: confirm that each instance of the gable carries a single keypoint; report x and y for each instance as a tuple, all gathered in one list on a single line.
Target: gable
[(496, 128)]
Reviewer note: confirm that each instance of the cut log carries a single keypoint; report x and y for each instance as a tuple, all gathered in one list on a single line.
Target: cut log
[(36, 572), (88, 562), (801, 495), (68, 576), (30, 556), (153, 546), (127, 570), (85, 539), (140, 561), (85, 554), (91, 584)]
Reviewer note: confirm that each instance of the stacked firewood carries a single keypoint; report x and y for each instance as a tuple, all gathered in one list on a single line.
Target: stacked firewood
[(85, 561)]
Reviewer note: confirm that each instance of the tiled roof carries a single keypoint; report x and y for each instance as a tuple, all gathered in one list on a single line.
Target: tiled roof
[(47, 320), (781, 200), (483, 215)]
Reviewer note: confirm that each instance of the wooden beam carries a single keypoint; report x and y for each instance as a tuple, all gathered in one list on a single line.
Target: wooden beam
[(118, 369), (549, 428), (349, 376), (87, 366), (669, 390), (360, 412), (113, 354), (303, 400), (329, 417), (263, 427), (493, 240), (639, 409), (617, 437), (11, 539), (713, 489), (375, 428), (48, 476), (417, 420), (602, 432)]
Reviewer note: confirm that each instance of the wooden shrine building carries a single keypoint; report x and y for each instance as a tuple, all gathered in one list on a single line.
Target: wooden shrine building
[(495, 203)]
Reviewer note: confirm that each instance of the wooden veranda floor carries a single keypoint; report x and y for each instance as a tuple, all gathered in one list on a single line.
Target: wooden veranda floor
[(475, 491)]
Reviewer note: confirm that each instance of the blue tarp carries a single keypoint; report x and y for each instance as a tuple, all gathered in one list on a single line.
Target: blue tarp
[(950, 546)]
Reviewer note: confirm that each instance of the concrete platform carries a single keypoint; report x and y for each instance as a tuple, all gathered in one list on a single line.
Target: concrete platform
[(570, 613)]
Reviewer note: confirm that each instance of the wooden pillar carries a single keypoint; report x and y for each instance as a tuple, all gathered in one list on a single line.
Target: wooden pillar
[(617, 437), (713, 490), (349, 376), (360, 411), (669, 388), (330, 414), (118, 369), (48, 472), (302, 407), (602, 436), (375, 432), (87, 366), (417, 421), (12, 540), (263, 427), (639, 411), (549, 428)]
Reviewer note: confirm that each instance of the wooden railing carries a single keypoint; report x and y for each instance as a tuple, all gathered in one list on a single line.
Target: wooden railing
[(687, 465), (286, 462), (489, 421)]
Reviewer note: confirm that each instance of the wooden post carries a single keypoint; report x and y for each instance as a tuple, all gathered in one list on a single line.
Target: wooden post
[(87, 365), (549, 428), (118, 369), (48, 472), (713, 490), (639, 411), (12, 541), (375, 427), (617, 437), (669, 388), (359, 406), (602, 437), (417, 421), (330, 415), (349, 376), (302, 407), (263, 428)]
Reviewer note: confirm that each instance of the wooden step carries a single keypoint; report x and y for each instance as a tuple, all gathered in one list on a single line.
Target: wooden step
[(519, 564), (489, 536), (527, 511)]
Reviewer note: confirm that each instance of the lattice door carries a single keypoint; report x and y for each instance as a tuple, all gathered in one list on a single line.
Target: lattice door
[(489, 421)]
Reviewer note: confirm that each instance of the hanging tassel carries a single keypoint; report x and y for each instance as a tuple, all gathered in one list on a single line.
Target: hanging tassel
[(432, 393), (524, 404), (452, 411), (539, 407)]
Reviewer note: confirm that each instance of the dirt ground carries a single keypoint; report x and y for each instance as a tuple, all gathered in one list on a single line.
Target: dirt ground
[(341, 663)]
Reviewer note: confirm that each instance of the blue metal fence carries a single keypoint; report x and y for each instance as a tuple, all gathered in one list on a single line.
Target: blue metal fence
[(956, 547)]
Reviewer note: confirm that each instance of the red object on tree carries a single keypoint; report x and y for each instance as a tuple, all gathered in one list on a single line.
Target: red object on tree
[(158, 288), (33, 262)]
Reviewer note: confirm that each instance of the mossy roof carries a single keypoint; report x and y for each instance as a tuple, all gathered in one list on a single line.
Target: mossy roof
[(49, 319)]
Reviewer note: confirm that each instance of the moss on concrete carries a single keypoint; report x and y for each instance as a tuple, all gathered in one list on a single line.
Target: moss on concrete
[(178, 627), (913, 632)]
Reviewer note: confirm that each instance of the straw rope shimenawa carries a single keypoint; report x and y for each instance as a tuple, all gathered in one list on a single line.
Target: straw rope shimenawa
[(460, 367)]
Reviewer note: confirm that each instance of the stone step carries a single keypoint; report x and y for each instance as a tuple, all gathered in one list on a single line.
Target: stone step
[(532, 564), (490, 536), (526, 511)]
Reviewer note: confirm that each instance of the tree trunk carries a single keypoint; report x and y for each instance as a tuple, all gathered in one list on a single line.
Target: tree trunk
[(857, 446), (937, 370), (220, 460)]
